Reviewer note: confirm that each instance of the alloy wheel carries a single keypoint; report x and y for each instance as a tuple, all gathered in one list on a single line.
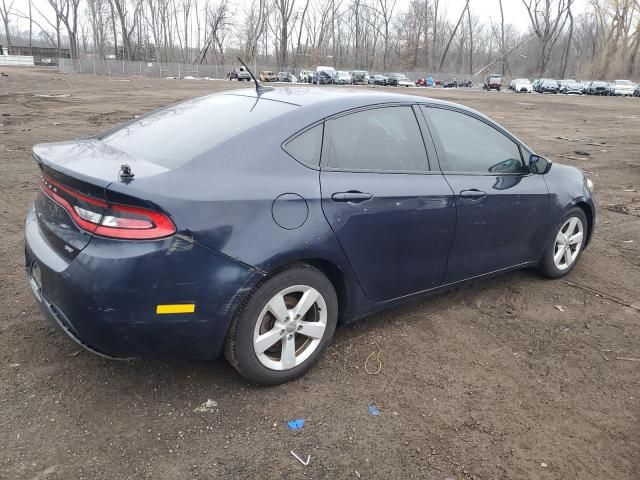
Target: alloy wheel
[(290, 327), (568, 243)]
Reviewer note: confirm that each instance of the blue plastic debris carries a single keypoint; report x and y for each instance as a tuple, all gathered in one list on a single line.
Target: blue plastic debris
[(296, 424), (373, 410)]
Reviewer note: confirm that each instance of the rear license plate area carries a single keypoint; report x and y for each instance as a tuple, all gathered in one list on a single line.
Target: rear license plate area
[(35, 279)]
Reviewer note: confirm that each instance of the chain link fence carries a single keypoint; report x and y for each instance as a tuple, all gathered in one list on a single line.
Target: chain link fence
[(114, 67)]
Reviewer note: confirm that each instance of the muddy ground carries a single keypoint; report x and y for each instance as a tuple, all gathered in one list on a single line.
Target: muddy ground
[(513, 378)]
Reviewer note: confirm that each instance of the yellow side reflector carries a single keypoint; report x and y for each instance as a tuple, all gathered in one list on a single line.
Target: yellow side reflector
[(176, 308)]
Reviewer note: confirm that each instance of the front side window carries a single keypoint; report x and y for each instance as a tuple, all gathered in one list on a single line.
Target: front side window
[(472, 146), (379, 139)]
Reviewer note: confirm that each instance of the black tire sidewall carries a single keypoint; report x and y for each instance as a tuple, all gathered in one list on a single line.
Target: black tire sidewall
[(246, 361), (547, 266)]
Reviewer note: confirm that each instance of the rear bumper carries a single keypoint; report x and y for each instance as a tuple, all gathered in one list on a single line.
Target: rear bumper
[(106, 298)]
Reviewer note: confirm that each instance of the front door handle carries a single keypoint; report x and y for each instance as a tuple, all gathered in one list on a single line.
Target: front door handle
[(351, 196), (472, 196)]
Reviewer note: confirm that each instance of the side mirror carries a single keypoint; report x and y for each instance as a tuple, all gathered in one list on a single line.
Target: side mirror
[(539, 165)]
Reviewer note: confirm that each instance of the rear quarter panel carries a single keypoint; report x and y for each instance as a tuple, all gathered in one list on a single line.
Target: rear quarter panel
[(224, 200)]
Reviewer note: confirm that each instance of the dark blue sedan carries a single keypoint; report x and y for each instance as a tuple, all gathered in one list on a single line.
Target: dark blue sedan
[(254, 223)]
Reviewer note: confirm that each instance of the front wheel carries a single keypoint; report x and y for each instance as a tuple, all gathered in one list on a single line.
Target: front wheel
[(284, 327), (565, 247)]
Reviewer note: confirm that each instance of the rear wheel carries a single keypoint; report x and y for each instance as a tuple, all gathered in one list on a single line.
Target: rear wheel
[(566, 245), (283, 327)]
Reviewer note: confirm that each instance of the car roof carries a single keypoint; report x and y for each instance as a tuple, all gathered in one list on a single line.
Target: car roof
[(304, 97), (316, 104)]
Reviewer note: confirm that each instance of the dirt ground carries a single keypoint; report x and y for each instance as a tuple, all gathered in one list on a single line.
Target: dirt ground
[(517, 377)]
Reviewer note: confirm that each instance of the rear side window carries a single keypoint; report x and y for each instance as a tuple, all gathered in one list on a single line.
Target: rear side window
[(177, 134), (382, 139), (472, 146), (306, 147)]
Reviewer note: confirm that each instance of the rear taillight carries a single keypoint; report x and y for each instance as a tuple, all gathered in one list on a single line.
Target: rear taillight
[(108, 219)]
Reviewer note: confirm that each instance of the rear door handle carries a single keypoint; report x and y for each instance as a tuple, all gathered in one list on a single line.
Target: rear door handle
[(472, 196), (351, 196)]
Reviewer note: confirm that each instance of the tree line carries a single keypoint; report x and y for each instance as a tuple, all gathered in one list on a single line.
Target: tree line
[(601, 40)]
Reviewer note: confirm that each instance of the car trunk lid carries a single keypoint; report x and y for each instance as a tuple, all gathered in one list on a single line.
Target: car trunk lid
[(72, 197)]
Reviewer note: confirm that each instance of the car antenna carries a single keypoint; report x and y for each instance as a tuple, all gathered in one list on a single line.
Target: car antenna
[(259, 87)]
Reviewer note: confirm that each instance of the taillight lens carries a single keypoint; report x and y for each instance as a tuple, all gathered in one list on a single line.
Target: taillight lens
[(107, 219)]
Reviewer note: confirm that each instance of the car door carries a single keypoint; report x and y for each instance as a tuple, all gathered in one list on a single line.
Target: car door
[(393, 217), (501, 206)]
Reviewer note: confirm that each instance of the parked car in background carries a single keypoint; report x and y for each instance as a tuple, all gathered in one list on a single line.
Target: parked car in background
[(360, 77), (323, 75), (239, 74), (548, 85), (570, 87), (453, 83), (377, 80), (305, 76), (493, 82), (392, 79), (403, 80), (535, 83), (522, 85), (598, 88), (636, 92), (287, 77), (160, 259), (623, 88), (268, 76), (342, 78)]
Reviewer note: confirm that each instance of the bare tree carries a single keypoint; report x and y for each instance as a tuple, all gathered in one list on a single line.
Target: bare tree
[(567, 46), (98, 11), (67, 12), (218, 21), (284, 9), (453, 34), (547, 19), (5, 11), (127, 25)]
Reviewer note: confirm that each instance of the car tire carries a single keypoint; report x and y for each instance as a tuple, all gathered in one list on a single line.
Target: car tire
[(566, 244), (267, 342)]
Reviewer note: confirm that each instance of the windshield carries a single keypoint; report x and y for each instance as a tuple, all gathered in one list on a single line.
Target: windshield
[(623, 82), (179, 133)]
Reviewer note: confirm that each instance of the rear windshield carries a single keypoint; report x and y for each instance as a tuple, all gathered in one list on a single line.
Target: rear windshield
[(177, 134)]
